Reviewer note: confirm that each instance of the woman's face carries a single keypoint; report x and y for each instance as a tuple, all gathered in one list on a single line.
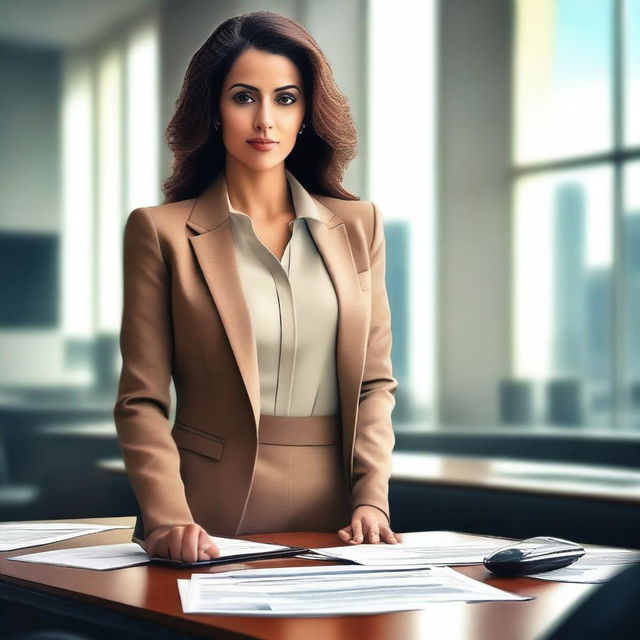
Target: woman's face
[(261, 97)]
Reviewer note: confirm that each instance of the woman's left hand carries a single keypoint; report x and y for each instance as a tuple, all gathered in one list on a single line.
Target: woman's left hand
[(368, 524)]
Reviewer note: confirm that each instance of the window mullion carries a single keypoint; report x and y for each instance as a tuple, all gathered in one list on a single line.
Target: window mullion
[(618, 302)]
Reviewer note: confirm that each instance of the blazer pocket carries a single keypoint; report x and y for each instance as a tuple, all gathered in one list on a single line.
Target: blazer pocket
[(198, 441), (365, 280)]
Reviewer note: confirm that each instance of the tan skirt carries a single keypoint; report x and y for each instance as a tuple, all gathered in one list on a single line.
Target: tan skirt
[(299, 483)]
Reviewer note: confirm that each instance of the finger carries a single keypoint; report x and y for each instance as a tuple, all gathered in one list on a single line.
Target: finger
[(189, 548), (398, 536), (345, 534), (367, 524), (356, 527), (174, 542), (203, 545), (208, 548), (387, 535), (213, 550), (372, 532)]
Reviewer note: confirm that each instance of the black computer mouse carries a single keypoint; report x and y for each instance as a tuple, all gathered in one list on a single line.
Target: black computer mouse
[(533, 555)]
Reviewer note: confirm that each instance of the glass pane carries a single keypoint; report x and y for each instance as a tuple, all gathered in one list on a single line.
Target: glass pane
[(562, 82), (632, 71), (631, 302), (408, 213), (562, 289)]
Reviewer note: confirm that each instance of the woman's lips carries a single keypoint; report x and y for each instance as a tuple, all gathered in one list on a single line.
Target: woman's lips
[(262, 146)]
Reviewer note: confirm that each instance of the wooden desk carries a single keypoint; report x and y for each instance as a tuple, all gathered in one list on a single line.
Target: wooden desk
[(144, 600), (517, 498), (580, 481), (22, 413)]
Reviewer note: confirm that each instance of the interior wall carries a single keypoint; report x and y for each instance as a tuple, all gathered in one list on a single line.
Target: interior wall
[(474, 228), (30, 139), (30, 188)]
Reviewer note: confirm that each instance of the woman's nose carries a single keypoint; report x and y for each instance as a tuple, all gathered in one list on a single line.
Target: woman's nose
[(264, 117)]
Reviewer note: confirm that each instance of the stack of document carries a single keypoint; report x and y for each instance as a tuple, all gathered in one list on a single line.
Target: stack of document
[(331, 590), (417, 548), (129, 554), (19, 535)]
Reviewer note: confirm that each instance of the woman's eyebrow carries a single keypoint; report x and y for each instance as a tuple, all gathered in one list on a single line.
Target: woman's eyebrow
[(248, 86)]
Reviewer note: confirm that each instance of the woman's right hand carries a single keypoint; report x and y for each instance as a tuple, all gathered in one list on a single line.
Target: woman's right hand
[(184, 543)]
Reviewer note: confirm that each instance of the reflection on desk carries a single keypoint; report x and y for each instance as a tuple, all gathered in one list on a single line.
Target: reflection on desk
[(593, 481)]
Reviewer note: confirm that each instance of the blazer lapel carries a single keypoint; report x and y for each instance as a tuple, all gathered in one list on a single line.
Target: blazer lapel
[(215, 252), (333, 243)]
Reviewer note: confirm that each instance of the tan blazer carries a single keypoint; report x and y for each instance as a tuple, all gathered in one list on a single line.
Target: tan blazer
[(185, 316)]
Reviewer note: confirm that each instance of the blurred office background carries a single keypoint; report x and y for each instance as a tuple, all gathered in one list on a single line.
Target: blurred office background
[(501, 141)]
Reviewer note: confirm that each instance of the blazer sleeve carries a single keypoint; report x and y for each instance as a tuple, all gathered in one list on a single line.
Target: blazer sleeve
[(143, 401), (374, 437)]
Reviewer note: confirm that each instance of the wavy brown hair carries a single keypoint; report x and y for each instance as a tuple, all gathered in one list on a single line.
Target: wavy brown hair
[(322, 152)]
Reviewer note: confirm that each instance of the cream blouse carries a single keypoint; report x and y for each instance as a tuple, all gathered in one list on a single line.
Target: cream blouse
[(294, 313)]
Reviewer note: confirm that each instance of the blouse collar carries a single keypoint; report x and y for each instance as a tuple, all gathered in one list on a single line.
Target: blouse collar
[(303, 203)]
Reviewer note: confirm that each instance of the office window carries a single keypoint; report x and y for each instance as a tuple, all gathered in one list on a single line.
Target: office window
[(110, 165), (562, 83), (563, 290), (109, 135), (576, 208), (631, 69), (400, 180), (78, 194)]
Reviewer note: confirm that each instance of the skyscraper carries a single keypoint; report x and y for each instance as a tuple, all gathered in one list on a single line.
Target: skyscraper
[(569, 342)]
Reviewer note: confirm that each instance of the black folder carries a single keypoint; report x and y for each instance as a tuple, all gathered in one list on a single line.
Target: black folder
[(237, 557)]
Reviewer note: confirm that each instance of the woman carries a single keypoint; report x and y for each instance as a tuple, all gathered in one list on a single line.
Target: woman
[(266, 304)]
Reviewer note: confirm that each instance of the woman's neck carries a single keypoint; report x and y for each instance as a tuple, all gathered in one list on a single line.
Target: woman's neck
[(263, 195)]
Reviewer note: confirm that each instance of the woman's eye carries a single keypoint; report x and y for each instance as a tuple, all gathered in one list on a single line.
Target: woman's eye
[(239, 95), (288, 97)]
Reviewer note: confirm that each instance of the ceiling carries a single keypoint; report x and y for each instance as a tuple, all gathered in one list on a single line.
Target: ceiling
[(64, 24)]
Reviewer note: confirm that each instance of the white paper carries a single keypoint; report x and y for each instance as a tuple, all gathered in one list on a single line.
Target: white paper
[(232, 547), (20, 535), (595, 566), (328, 591), (183, 590), (609, 555), (129, 554), (583, 574), (100, 557), (417, 548)]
